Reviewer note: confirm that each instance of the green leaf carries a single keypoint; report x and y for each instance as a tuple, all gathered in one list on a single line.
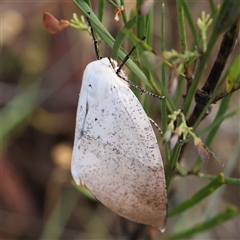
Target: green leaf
[(172, 164), (220, 218), (141, 20), (198, 196), (181, 24), (164, 80), (123, 13), (100, 9), (123, 33), (190, 22)]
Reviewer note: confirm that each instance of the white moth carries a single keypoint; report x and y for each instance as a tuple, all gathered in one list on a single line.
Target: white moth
[(116, 154)]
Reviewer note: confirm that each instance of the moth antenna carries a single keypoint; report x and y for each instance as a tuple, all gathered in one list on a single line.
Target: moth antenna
[(131, 83), (141, 89), (126, 58), (155, 124), (95, 42)]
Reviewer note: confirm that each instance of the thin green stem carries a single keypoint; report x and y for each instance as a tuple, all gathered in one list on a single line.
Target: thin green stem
[(220, 218), (218, 121), (181, 25), (198, 196), (172, 164), (100, 9), (124, 16), (111, 2), (228, 181), (169, 102), (211, 3), (141, 19), (191, 23)]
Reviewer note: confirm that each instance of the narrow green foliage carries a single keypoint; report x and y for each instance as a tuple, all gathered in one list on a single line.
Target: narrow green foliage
[(113, 3), (164, 81), (181, 25), (211, 3), (198, 196), (169, 102), (123, 13), (172, 164), (121, 36), (228, 181), (191, 23), (218, 121), (141, 21), (100, 9), (220, 218)]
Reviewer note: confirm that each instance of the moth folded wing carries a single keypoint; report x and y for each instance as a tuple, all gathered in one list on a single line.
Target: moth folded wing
[(116, 153), (92, 90), (96, 86), (101, 152), (114, 163), (80, 121), (150, 188)]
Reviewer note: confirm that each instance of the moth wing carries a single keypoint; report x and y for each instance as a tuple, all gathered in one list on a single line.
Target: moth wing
[(154, 181), (117, 157), (80, 119)]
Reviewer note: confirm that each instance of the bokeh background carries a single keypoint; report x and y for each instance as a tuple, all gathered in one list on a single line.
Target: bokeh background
[(40, 83)]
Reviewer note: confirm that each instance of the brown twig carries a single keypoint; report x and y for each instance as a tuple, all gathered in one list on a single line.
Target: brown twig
[(188, 73), (224, 93), (203, 95), (227, 45)]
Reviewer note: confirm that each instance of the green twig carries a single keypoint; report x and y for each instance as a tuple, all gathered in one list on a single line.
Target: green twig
[(220, 218), (198, 196)]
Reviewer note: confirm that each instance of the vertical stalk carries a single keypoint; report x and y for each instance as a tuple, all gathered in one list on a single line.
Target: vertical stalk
[(181, 25)]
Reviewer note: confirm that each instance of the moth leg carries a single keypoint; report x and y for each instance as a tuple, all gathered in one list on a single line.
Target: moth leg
[(155, 124)]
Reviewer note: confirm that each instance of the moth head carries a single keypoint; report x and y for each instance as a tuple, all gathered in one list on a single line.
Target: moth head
[(120, 73)]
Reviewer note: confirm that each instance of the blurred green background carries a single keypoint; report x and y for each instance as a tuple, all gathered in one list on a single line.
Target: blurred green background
[(40, 83)]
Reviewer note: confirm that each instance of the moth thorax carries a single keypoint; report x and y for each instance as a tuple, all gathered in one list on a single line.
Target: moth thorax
[(121, 74)]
